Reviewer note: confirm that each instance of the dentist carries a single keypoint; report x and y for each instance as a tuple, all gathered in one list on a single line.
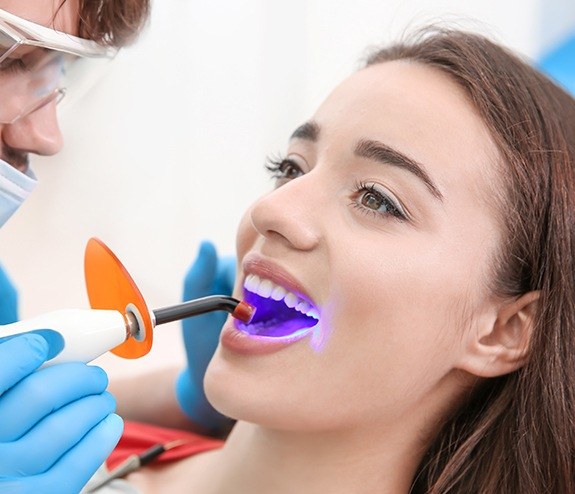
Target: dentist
[(56, 424)]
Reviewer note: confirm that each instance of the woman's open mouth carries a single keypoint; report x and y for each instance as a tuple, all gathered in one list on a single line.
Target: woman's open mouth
[(279, 311)]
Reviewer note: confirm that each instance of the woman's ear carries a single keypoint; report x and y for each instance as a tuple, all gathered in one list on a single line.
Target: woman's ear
[(501, 345)]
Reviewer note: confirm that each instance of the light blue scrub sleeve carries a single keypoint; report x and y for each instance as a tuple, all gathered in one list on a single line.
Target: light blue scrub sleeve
[(8, 299)]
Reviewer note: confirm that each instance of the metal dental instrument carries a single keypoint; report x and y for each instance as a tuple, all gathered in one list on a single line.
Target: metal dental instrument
[(240, 310), (119, 320), (134, 462)]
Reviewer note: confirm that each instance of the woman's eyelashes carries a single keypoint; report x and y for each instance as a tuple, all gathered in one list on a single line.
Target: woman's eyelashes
[(371, 199), (283, 169)]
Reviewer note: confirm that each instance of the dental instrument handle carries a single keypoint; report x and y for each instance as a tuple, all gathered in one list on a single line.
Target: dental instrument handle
[(87, 333), (238, 309)]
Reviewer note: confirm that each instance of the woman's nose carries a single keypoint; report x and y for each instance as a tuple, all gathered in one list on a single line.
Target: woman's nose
[(288, 214), (37, 132)]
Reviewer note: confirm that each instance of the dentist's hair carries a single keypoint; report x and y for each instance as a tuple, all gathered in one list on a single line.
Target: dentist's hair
[(517, 433), (112, 22)]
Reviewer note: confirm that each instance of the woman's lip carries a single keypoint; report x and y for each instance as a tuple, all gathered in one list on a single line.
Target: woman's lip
[(238, 341), (256, 264)]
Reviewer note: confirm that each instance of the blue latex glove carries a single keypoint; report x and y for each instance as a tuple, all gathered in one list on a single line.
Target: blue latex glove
[(56, 424), (8, 299), (209, 275)]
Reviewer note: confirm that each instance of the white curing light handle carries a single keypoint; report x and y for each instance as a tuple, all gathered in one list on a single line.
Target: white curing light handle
[(87, 333)]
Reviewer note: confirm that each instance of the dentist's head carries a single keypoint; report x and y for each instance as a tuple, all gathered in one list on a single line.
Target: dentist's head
[(46, 46)]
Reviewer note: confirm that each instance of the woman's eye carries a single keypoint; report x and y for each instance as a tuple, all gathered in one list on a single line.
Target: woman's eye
[(373, 201), (283, 170)]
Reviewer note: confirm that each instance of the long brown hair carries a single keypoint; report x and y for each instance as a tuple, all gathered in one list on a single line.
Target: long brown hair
[(517, 433), (112, 22)]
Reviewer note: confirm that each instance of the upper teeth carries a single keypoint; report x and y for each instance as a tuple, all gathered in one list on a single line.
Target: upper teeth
[(268, 289)]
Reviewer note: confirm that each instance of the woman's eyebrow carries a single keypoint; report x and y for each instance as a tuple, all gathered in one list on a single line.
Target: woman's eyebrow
[(377, 151), (308, 131)]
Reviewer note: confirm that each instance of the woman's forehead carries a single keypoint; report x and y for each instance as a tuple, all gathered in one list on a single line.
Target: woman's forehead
[(418, 110), (402, 95)]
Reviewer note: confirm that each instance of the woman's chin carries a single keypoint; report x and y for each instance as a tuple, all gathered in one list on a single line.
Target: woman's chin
[(241, 395), (230, 391), (259, 381)]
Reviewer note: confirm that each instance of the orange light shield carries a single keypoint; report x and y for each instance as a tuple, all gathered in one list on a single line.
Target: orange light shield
[(110, 286)]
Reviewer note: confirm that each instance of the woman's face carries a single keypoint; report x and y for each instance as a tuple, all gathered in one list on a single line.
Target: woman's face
[(383, 221)]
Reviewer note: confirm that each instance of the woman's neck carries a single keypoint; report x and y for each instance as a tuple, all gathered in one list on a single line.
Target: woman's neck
[(380, 456), (256, 460)]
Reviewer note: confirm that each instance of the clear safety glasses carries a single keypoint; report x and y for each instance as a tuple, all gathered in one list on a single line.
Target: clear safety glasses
[(39, 65)]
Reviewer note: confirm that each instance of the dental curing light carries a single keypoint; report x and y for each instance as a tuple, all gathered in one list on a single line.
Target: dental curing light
[(119, 320)]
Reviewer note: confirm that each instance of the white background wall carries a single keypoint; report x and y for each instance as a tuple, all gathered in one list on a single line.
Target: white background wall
[(168, 148)]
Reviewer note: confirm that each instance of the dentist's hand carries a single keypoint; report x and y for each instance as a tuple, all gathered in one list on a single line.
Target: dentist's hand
[(209, 275), (56, 424)]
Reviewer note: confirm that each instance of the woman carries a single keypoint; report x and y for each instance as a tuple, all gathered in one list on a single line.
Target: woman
[(423, 220)]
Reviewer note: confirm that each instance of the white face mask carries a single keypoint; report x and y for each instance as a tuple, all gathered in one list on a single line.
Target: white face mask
[(15, 187)]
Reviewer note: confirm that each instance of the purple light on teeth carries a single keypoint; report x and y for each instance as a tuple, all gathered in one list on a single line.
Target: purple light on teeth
[(274, 318)]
